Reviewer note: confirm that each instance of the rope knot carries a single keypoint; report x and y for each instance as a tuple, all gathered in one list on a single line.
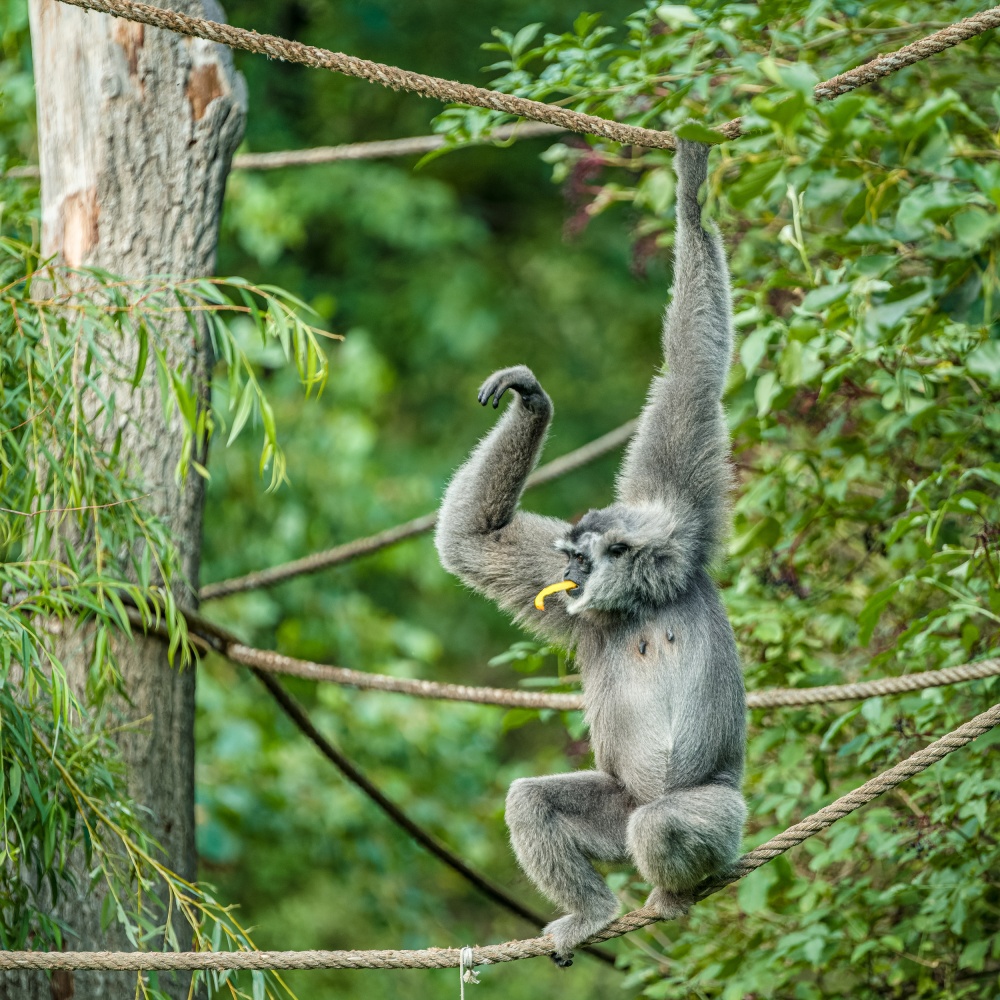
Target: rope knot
[(466, 971)]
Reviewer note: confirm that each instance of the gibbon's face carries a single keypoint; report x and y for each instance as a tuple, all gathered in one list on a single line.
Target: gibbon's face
[(628, 560)]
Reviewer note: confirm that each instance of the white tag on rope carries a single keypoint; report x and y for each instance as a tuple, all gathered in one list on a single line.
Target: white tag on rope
[(466, 973)]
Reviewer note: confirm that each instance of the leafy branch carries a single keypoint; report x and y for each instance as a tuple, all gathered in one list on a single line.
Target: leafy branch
[(82, 546)]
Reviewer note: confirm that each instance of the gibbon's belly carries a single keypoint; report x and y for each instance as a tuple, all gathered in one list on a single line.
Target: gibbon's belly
[(634, 707)]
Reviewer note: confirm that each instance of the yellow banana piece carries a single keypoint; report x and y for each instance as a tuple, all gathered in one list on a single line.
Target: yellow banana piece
[(552, 588)]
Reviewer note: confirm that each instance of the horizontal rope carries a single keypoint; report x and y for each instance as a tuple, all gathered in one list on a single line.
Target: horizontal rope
[(450, 91), (209, 636), (263, 659), (377, 150), (373, 543), (774, 697), (510, 951)]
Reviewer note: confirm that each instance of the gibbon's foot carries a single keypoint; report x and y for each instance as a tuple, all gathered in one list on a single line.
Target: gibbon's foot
[(573, 930), (669, 905), (522, 380)]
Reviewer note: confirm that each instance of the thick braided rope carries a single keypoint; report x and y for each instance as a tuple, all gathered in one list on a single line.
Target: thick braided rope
[(871, 789), (774, 697), (373, 543), (263, 659), (824, 818), (450, 91), (528, 130), (510, 951), (892, 62)]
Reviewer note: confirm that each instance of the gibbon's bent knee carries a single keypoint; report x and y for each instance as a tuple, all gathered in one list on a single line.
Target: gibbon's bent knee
[(525, 803)]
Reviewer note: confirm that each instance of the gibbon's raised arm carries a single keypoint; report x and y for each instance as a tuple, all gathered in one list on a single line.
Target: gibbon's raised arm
[(482, 537), (680, 453)]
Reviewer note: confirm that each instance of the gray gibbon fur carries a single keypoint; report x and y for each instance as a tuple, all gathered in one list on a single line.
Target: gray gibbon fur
[(662, 684)]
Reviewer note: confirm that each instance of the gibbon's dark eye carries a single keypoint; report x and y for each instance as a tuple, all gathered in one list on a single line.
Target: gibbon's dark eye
[(618, 549), (579, 558)]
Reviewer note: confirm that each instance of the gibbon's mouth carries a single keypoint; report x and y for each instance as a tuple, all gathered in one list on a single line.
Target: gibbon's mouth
[(578, 601), (552, 588)]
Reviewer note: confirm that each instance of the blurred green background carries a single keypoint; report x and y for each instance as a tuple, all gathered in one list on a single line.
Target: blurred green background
[(437, 276), (863, 236)]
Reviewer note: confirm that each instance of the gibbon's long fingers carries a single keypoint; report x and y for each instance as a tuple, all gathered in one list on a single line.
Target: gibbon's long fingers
[(552, 588)]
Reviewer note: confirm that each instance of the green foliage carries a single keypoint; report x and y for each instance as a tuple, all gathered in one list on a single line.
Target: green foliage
[(81, 547), (863, 236), (864, 412)]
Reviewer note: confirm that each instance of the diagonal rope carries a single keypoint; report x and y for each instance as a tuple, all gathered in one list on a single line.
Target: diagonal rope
[(462, 93), (427, 840), (373, 543), (510, 951)]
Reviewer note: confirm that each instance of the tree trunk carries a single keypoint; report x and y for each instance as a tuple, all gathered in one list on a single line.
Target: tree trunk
[(136, 131)]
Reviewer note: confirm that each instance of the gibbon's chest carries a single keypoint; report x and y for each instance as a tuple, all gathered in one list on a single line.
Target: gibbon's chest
[(638, 660), (633, 684)]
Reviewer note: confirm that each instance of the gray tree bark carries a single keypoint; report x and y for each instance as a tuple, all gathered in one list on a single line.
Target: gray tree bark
[(136, 131)]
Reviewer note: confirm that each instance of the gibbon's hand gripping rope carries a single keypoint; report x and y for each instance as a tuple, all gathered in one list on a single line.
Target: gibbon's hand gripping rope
[(464, 93), (510, 951)]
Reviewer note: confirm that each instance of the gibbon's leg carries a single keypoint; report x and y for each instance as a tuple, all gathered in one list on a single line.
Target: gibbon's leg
[(557, 824), (683, 837)]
